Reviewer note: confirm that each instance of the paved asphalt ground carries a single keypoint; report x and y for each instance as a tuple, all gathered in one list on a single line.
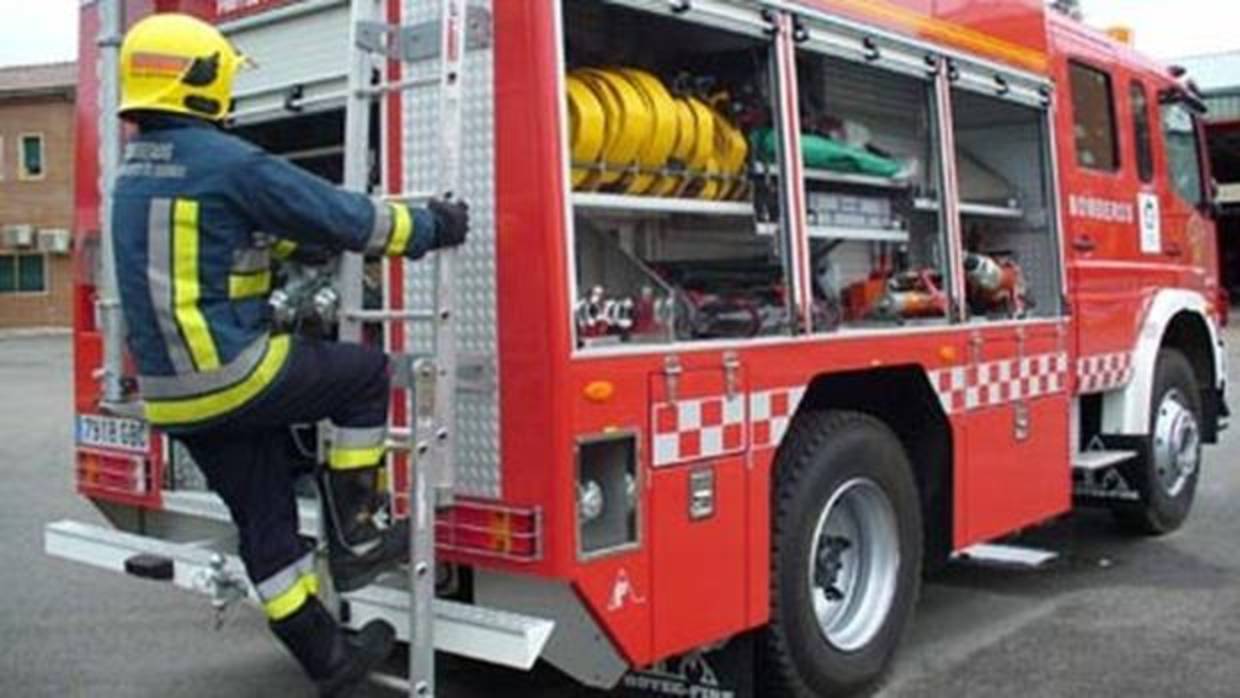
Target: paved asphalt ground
[(1116, 617)]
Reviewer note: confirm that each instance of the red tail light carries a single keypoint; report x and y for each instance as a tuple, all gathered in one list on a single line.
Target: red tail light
[(491, 530), (105, 472)]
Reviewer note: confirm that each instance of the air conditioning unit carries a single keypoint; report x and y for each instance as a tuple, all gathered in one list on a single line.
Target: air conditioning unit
[(55, 240), (17, 236)]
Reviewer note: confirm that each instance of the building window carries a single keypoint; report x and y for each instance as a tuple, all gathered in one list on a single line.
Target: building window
[(23, 273), (1183, 153), (1141, 132), (30, 164), (1093, 107)]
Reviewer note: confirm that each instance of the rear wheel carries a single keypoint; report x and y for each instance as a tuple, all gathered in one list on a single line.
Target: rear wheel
[(846, 556), (1166, 475)]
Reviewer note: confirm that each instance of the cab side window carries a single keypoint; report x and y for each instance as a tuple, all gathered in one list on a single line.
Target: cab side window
[(1141, 131), (1093, 109), (1183, 154)]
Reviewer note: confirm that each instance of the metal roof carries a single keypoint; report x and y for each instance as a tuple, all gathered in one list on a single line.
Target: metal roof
[(39, 79), (1219, 72), (1218, 76)]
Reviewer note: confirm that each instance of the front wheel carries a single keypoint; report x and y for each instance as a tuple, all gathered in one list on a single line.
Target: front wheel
[(1166, 475), (846, 555)]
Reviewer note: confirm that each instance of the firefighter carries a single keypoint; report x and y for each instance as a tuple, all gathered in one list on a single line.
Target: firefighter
[(194, 213)]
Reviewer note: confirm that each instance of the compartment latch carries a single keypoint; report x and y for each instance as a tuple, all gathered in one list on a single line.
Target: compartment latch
[(731, 369), (672, 371)]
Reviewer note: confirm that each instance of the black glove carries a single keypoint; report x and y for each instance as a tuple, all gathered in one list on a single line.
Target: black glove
[(451, 222)]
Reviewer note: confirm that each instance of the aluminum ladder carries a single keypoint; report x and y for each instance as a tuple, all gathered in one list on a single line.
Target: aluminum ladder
[(432, 379)]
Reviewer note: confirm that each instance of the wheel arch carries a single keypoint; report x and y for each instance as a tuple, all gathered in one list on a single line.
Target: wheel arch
[(903, 399), (1181, 320)]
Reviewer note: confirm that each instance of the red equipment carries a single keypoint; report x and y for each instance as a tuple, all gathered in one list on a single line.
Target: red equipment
[(994, 285)]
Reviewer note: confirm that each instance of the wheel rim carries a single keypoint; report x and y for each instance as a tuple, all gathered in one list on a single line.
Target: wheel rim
[(854, 564), (1177, 443)]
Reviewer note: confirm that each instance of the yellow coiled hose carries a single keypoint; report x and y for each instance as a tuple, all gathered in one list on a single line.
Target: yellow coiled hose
[(628, 134)]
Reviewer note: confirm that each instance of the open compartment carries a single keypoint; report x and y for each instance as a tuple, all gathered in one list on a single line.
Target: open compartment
[(314, 142), (872, 167), (1011, 251), (669, 226)]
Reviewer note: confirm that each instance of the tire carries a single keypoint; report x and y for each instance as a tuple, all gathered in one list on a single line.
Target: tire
[(834, 629), (1166, 474)]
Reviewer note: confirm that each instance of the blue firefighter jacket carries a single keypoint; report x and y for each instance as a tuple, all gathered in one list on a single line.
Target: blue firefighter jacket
[(194, 270)]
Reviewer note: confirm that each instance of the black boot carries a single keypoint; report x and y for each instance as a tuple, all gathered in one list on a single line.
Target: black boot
[(337, 663), (358, 549)]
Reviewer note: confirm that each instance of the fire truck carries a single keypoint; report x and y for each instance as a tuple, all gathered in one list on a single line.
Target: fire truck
[(770, 307)]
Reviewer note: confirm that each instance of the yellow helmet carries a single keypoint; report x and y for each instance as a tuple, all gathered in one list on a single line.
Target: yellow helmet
[(178, 64)]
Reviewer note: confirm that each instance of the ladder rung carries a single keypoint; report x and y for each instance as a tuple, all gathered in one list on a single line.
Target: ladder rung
[(396, 683), (383, 88), (407, 197), (389, 315)]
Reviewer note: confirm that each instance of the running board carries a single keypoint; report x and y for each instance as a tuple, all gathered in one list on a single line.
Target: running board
[(1005, 555), (1093, 461), (498, 637)]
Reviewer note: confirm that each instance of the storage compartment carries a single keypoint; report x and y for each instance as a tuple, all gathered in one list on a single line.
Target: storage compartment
[(870, 149), (1011, 255), (314, 142), (672, 235)]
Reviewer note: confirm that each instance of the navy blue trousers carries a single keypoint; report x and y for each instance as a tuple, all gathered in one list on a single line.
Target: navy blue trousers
[(251, 460)]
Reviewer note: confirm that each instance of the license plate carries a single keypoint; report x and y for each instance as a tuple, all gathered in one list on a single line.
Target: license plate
[(113, 432)]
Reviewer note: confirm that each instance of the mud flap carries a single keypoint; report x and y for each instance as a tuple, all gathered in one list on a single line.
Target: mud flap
[(727, 672)]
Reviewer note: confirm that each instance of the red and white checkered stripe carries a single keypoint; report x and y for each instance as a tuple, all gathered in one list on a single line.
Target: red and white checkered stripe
[(769, 414), (964, 388), (689, 430), (1103, 372)]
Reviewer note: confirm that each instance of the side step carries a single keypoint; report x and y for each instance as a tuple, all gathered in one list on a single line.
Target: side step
[(998, 555), (488, 635), (1093, 461)]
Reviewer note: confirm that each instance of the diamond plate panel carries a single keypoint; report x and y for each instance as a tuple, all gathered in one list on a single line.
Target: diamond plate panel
[(477, 414)]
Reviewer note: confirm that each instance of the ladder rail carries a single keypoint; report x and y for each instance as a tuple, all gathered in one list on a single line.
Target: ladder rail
[(435, 418), (434, 379), (111, 320)]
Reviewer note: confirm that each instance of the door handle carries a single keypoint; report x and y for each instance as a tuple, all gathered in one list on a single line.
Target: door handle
[(1173, 249), (1084, 243)]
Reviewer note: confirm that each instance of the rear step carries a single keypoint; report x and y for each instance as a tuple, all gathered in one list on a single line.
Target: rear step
[(998, 555), (1094, 461), (498, 637)]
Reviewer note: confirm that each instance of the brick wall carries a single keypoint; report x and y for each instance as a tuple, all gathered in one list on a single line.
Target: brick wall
[(43, 203)]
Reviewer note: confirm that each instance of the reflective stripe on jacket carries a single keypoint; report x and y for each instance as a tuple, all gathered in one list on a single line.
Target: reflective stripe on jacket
[(194, 271)]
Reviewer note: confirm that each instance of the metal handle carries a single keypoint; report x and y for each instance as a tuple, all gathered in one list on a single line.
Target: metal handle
[(1084, 243)]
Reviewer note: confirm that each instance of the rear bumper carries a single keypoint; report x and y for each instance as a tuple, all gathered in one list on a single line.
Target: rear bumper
[(498, 637)]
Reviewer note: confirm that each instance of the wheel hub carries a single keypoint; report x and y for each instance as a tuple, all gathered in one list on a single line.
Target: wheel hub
[(854, 565), (1177, 443), (830, 565)]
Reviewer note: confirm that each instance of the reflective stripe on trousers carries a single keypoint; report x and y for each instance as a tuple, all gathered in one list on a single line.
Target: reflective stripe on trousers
[(353, 447), (288, 590)]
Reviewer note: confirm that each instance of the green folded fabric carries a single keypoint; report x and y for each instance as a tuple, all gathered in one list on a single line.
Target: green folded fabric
[(823, 153)]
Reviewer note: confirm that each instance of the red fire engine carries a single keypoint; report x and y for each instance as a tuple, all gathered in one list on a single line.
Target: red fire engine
[(771, 305)]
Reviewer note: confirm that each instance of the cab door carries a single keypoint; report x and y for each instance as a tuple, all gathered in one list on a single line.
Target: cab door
[(1185, 226), (1100, 202)]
